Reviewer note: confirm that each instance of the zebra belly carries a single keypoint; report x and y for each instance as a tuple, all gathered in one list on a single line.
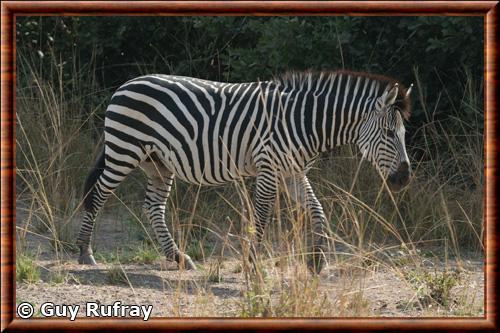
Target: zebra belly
[(212, 172)]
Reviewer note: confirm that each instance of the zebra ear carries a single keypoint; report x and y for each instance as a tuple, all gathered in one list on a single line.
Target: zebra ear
[(408, 92), (389, 97)]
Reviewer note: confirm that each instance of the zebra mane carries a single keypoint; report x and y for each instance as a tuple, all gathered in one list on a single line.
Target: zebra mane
[(308, 79)]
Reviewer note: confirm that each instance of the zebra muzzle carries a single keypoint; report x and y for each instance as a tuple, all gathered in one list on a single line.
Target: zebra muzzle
[(399, 179)]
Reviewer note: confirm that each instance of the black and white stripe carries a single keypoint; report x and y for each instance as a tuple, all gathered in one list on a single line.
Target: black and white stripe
[(212, 133)]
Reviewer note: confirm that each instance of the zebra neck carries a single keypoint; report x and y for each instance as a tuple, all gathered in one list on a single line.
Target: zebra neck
[(326, 111), (345, 127), (341, 105), (326, 121)]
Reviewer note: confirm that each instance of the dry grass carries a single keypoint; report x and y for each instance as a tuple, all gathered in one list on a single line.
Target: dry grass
[(437, 219)]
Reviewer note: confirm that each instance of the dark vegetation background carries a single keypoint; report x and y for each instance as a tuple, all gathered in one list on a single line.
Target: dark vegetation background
[(71, 65), (442, 51)]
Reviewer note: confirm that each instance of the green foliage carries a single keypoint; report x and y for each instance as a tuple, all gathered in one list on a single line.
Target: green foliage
[(143, 253), (59, 277), (214, 273), (146, 254), (116, 275), (26, 269), (434, 286), (300, 296), (444, 50), (255, 305), (246, 48), (199, 250)]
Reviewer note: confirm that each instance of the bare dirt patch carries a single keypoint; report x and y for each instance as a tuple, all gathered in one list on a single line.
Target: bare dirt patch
[(344, 288)]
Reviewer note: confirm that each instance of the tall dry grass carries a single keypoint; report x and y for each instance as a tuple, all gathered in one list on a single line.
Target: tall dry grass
[(53, 146), (438, 217)]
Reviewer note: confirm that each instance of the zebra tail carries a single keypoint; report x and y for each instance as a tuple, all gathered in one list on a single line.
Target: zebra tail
[(92, 178)]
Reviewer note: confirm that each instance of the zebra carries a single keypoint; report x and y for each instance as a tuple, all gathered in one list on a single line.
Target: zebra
[(212, 133)]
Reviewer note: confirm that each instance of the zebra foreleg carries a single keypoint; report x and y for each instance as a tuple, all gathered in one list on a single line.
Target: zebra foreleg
[(264, 199), (300, 191), (157, 193)]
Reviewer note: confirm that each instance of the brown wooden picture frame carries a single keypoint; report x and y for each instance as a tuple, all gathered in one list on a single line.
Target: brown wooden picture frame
[(10, 9)]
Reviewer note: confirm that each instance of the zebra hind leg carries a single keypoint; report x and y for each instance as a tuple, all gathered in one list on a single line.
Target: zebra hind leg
[(91, 204), (157, 192), (86, 255), (99, 185)]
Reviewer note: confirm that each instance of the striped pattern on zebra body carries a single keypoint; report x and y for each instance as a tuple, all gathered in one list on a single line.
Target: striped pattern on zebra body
[(212, 133)]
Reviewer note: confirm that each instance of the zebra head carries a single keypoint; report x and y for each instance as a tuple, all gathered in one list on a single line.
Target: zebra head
[(382, 138)]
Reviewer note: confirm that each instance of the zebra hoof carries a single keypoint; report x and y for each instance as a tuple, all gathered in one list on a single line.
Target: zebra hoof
[(316, 263), (252, 260), (86, 256), (87, 259), (185, 262)]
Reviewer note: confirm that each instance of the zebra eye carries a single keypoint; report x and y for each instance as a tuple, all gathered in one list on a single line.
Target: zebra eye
[(389, 132)]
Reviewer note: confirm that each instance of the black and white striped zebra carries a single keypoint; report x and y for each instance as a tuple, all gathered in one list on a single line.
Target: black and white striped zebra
[(212, 133)]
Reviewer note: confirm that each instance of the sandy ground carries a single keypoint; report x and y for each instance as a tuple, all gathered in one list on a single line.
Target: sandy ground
[(375, 291)]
